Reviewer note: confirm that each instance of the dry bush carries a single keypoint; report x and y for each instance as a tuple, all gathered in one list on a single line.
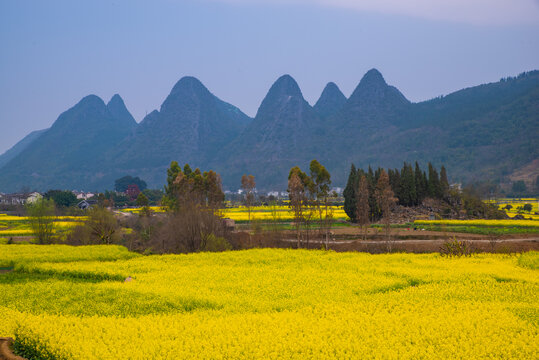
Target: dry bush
[(456, 248)]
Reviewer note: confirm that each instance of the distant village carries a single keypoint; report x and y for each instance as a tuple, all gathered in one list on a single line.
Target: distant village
[(22, 198)]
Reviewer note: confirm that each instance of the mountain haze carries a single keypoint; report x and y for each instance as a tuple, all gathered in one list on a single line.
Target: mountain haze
[(192, 125), (20, 146), (283, 130), (331, 101), (70, 153), (486, 131)]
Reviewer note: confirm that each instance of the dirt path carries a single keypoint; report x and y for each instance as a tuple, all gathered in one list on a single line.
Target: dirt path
[(510, 245), (5, 350), (415, 241)]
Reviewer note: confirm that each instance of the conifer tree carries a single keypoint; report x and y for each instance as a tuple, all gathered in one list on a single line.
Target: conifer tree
[(362, 205), (444, 183), (419, 185), (407, 194), (349, 194), (433, 183), (386, 199)]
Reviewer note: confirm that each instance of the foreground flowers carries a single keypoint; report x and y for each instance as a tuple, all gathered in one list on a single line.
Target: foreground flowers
[(269, 304)]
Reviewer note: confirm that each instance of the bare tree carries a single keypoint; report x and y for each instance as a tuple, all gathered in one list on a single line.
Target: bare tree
[(386, 199), (41, 218), (362, 205), (103, 225), (248, 185), (296, 192), (194, 224)]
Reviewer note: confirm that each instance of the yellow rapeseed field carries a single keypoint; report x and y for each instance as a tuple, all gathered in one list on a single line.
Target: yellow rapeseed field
[(279, 213), (71, 303), (258, 213)]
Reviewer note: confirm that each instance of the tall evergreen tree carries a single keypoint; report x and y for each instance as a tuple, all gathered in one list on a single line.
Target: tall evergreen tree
[(419, 185), (394, 179), (349, 194), (407, 194), (433, 183), (362, 205), (444, 183)]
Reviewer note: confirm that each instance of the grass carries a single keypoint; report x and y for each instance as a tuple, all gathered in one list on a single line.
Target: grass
[(482, 227)]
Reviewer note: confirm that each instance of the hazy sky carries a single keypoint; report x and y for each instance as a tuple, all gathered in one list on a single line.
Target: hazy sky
[(53, 53)]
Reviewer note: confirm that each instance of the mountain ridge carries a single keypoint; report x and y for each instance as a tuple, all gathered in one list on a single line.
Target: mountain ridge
[(485, 131)]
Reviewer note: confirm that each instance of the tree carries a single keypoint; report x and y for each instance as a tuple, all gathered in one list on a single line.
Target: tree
[(296, 194), (154, 196), (62, 199), (349, 193), (362, 205), (123, 183), (407, 194), (132, 191), (142, 200), (248, 185), (420, 185), (213, 189), (519, 187), (527, 207), (444, 183), (41, 218), (321, 180), (433, 183), (386, 199), (103, 225), (193, 199)]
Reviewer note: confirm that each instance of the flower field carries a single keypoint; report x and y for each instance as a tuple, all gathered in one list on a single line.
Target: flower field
[(278, 213), (65, 302), (516, 203), (19, 225), (258, 213)]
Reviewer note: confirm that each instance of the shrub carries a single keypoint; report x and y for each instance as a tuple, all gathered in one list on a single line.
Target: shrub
[(456, 248), (215, 244)]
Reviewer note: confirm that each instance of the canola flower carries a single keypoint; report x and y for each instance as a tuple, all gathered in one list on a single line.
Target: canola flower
[(258, 213), (19, 225), (5, 217), (21, 254), (136, 210), (268, 304), (15, 232), (279, 213)]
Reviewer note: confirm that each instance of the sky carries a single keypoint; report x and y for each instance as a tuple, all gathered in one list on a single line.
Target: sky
[(54, 53)]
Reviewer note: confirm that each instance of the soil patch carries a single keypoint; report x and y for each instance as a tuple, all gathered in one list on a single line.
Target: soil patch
[(5, 349)]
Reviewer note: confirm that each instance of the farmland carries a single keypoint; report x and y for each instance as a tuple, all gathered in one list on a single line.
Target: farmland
[(19, 225), (240, 214), (516, 206), (267, 303), (480, 226)]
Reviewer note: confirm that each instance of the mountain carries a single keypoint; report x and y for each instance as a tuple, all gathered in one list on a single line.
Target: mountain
[(19, 147), (483, 132), (192, 126), (69, 155), (283, 130), (330, 102), (118, 110), (488, 131)]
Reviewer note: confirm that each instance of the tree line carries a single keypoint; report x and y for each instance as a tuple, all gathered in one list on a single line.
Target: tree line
[(410, 186)]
